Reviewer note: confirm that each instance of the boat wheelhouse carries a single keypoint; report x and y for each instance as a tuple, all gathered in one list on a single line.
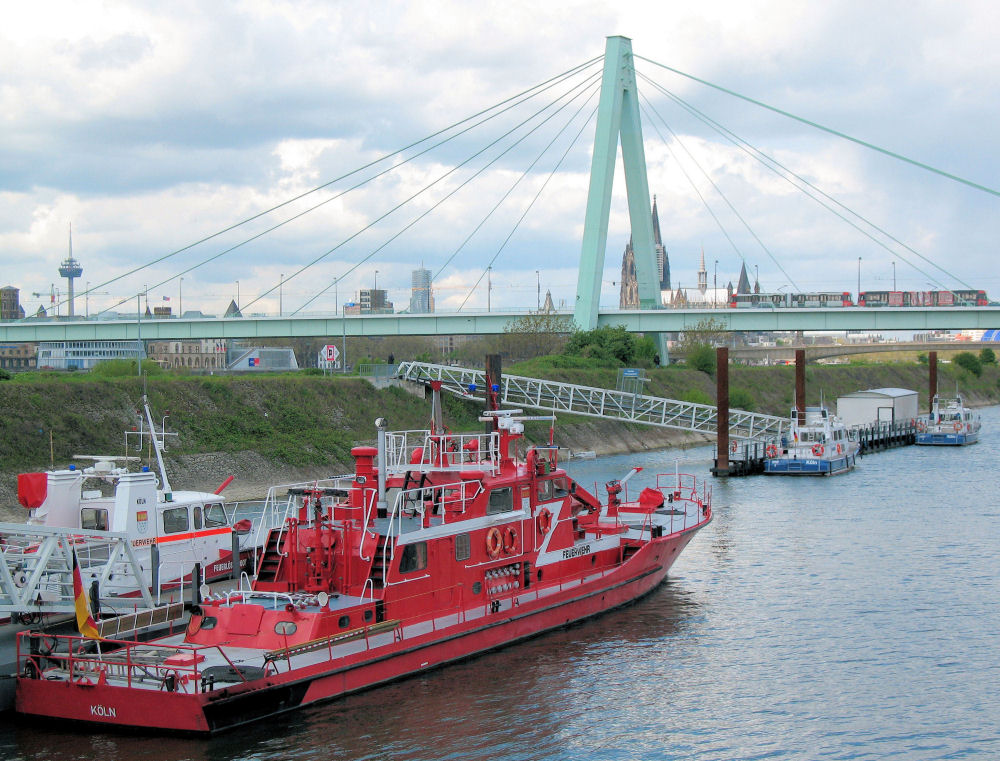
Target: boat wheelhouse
[(949, 423), (438, 547)]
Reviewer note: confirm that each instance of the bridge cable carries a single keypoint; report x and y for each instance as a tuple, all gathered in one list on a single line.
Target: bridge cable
[(549, 84), (510, 190), (592, 80), (768, 160), (717, 189), (507, 104), (528, 208), (829, 130)]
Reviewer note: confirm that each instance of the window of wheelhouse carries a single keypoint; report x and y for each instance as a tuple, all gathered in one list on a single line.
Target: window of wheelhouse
[(197, 517), (215, 515), (413, 558), (94, 519), (559, 487), (501, 500), (175, 520), (543, 491)]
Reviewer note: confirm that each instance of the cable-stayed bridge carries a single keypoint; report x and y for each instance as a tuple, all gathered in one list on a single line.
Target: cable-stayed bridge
[(485, 323), (618, 117)]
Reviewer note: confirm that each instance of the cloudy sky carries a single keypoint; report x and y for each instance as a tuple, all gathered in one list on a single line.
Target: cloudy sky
[(150, 126)]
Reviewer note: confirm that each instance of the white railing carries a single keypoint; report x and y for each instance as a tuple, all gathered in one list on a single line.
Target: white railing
[(421, 451), (36, 572), (519, 391)]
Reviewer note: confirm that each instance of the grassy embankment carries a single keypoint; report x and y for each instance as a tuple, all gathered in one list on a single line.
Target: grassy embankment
[(311, 422)]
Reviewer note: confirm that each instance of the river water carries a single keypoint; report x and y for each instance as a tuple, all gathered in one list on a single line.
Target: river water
[(853, 617)]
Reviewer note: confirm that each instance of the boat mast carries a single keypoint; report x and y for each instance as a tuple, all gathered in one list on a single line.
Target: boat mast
[(156, 446)]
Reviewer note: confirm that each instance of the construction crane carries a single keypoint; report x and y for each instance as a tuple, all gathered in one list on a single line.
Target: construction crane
[(52, 294)]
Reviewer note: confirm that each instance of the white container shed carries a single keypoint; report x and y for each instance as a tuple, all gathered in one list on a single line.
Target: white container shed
[(877, 405)]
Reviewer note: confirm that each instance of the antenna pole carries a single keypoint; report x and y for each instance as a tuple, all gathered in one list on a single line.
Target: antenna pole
[(156, 446)]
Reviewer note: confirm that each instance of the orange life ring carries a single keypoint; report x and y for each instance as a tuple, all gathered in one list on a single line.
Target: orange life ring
[(818, 450), (771, 451), (839, 450), (733, 447), (509, 539), (921, 426), (544, 520), (958, 426), (493, 542)]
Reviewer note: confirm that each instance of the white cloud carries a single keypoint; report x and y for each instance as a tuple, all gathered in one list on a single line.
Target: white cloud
[(149, 126)]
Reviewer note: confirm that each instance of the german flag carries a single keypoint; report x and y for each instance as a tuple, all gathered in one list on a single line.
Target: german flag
[(84, 621)]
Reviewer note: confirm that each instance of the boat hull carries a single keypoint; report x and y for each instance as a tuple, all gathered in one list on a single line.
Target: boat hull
[(809, 466), (946, 439), (93, 701)]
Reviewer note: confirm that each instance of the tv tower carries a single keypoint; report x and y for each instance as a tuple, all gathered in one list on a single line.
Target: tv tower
[(70, 269)]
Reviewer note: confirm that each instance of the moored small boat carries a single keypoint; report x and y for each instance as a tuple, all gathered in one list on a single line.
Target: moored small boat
[(949, 423), (816, 444), (438, 547)]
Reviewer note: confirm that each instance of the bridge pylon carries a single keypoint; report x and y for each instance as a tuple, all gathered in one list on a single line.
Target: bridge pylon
[(617, 116)]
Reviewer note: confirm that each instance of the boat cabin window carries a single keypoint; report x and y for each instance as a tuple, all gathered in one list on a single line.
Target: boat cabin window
[(197, 517), (559, 488), (174, 520), (501, 501), (463, 547), (209, 622), (544, 492), (215, 515), (413, 558), (285, 627), (94, 519)]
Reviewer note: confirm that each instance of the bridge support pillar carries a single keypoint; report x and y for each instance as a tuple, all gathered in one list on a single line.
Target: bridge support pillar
[(722, 411), (617, 116), (931, 377)]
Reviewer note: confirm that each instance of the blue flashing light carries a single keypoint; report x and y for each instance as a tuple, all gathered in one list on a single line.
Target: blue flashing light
[(495, 388), (145, 468), (472, 388), (72, 467)]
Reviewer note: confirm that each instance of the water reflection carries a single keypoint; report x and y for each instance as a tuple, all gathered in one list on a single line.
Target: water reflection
[(849, 617)]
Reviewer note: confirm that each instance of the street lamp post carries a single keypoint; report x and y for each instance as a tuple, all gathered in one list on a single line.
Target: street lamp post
[(237, 295), (859, 278), (894, 275), (87, 301), (715, 282), (538, 292)]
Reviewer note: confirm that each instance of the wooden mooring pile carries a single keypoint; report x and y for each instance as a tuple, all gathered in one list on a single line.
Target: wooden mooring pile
[(746, 457)]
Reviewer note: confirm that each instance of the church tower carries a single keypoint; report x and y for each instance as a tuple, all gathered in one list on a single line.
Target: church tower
[(628, 294), (702, 274)]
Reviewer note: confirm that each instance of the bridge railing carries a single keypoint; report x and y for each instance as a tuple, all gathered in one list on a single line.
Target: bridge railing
[(520, 391)]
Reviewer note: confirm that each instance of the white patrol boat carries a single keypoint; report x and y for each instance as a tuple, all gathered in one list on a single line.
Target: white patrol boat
[(816, 444), (168, 531), (949, 423)]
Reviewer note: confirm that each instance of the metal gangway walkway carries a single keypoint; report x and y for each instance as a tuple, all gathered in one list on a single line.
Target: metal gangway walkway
[(36, 572), (606, 403)]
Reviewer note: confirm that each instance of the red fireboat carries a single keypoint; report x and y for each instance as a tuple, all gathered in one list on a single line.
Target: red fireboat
[(438, 547)]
